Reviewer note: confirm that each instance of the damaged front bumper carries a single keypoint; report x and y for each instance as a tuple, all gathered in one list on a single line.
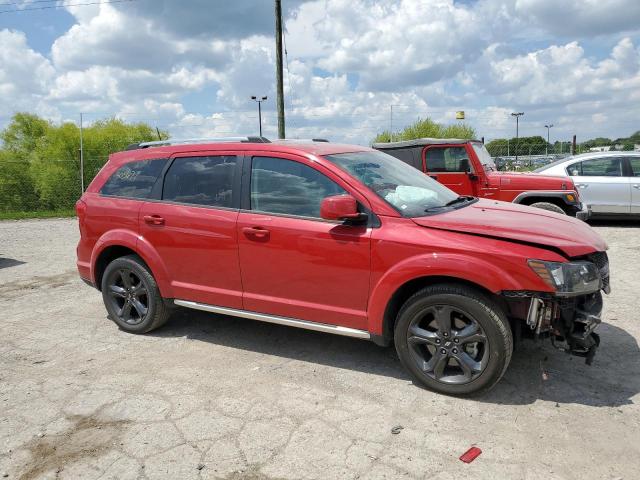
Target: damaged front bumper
[(569, 322)]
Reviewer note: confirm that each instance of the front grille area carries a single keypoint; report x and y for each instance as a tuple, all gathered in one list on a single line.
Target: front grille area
[(602, 262)]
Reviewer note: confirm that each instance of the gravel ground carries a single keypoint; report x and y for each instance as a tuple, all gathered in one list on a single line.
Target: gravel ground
[(210, 396)]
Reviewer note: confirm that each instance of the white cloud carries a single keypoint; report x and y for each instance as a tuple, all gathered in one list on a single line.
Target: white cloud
[(349, 61)]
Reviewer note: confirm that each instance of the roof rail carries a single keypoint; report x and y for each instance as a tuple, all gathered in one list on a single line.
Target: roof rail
[(191, 141), (304, 140)]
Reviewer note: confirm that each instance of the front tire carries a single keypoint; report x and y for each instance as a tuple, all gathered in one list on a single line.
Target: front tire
[(132, 297), (551, 207), (453, 339)]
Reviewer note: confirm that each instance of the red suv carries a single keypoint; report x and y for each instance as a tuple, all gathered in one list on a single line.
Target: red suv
[(341, 239), (466, 167)]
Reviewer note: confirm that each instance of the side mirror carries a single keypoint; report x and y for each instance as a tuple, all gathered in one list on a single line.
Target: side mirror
[(339, 207)]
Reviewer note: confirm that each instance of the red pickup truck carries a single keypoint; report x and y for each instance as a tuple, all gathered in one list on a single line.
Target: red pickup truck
[(466, 167)]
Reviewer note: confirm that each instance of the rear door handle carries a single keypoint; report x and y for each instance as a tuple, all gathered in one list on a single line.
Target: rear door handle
[(582, 185), (636, 186), (153, 219), (435, 177), (256, 232)]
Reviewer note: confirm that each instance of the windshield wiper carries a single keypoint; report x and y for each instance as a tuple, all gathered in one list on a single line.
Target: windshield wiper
[(459, 199)]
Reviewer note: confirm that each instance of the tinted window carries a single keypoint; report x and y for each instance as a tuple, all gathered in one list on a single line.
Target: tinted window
[(134, 180), (635, 166), (285, 186), (448, 159), (201, 181), (598, 167)]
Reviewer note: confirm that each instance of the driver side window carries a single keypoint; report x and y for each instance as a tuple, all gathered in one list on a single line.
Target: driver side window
[(448, 160), (289, 187)]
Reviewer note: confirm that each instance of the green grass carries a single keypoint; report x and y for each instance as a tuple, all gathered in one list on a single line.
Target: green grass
[(37, 214)]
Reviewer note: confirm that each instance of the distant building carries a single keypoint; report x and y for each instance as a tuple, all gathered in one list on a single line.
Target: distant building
[(600, 149)]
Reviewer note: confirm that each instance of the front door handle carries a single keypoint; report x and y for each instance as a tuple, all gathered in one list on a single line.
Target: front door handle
[(636, 186), (258, 233), (582, 185), (153, 219), (435, 177)]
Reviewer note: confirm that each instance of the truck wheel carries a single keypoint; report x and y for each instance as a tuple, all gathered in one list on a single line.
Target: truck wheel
[(548, 206), (131, 296), (453, 339)]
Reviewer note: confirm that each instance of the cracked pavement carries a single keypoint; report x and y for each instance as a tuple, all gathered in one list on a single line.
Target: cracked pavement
[(209, 396)]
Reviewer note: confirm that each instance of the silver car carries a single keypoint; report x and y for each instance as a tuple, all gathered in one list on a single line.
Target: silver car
[(608, 182)]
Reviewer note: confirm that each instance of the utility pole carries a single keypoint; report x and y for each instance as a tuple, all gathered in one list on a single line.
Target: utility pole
[(280, 88), (548, 127), (81, 157), (517, 115), (391, 125), (262, 99)]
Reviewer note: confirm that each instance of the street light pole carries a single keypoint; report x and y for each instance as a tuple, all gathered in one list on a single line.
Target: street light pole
[(262, 99), (517, 115), (548, 127)]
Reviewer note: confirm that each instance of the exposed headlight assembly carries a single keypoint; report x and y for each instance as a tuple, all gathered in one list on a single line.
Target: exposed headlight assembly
[(572, 278)]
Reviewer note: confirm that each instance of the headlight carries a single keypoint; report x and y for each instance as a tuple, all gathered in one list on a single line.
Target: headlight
[(568, 278)]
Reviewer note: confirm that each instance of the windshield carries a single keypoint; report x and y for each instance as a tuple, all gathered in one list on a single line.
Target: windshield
[(484, 157), (408, 190)]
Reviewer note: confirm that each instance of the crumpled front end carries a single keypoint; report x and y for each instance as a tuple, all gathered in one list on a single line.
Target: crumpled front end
[(568, 320)]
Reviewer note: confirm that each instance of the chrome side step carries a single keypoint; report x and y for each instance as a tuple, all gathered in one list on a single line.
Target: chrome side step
[(264, 317)]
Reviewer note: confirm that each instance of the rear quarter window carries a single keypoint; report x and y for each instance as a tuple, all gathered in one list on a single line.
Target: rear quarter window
[(134, 179)]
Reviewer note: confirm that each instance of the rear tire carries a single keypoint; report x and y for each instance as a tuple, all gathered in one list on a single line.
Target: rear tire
[(453, 339), (132, 297), (551, 207)]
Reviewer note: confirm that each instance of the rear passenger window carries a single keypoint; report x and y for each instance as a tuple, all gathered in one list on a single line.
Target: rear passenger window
[(288, 187), (134, 180), (201, 180), (635, 166)]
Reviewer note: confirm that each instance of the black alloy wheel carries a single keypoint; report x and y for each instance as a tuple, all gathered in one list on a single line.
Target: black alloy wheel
[(453, 339), (131, 295), (448, 344)]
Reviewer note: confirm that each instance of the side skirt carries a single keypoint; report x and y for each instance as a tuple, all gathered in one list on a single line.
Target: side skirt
[(290, 322)]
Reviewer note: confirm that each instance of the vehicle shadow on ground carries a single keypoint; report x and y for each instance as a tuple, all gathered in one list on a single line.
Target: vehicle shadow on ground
[(613, 379), (9, 262)]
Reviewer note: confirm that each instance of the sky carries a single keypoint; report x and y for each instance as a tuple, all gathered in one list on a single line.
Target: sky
[(191, 66)]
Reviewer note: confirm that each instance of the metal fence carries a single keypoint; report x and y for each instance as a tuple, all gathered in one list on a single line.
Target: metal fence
[(43, 186), (526, 157)]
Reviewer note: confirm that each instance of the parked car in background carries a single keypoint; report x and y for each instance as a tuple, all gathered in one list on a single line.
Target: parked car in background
[(608, 182), (340, 239), (466, 167)]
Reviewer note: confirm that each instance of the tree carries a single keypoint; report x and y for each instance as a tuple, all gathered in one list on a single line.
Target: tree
[(23, 133), (17, 192), (427, 128), (41, 161)]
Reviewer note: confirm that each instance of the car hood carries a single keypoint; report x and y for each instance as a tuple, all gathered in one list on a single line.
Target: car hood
[(519, 223), (534, 181)]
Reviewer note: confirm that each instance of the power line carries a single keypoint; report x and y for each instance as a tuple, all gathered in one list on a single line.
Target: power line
[(57, 6)]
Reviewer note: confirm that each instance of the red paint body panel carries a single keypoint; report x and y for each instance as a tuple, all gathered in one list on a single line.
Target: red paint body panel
[(517, 222), (319, 270), (199, 249), (308, 269)]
